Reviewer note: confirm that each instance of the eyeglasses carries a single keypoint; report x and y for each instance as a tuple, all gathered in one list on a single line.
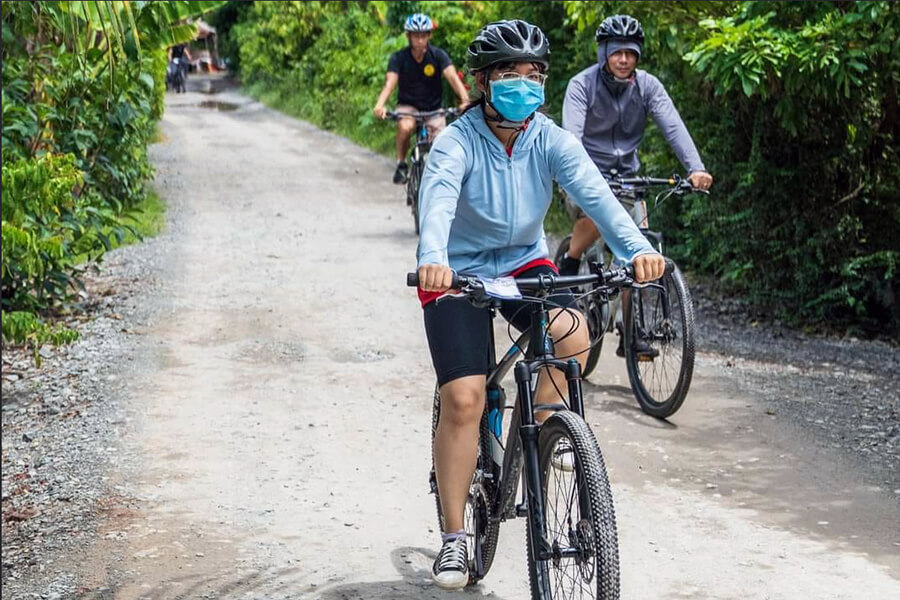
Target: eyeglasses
[(535, 77)]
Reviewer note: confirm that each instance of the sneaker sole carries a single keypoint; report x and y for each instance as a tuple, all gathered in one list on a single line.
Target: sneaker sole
[(456, 583)]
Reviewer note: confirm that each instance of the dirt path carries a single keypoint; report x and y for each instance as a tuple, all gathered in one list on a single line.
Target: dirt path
[(281, 413)]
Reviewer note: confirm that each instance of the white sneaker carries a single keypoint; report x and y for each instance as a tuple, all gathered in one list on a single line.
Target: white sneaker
[(451, 567), (563, 458)]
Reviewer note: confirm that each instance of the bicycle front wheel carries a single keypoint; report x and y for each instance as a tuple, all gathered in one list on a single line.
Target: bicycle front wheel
[(579, 516), (659, 342), (412, 189), (482, 533)]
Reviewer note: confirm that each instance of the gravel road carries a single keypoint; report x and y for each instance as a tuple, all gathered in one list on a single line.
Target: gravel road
[(247, 413)]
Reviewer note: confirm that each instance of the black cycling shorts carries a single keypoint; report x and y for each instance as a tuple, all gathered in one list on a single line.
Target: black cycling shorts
[(459, 334)]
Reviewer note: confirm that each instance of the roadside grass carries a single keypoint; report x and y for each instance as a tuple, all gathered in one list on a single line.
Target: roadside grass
[(147, 218)]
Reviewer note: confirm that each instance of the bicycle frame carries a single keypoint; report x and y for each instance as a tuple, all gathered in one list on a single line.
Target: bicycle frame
[(423, 144), (521, 448)]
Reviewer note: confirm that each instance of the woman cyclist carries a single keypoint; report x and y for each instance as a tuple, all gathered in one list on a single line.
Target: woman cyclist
[(485, 191)]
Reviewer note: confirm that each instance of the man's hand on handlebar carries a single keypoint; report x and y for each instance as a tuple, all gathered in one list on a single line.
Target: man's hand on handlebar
[(435, 278), (701, 180), (648, 267), (380, 112)]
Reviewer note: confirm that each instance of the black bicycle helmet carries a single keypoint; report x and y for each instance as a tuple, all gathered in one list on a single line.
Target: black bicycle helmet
[(621, 27), (508, 41)]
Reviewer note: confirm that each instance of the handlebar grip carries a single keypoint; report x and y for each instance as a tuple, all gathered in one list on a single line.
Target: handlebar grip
[(412, 280), (670, 267)]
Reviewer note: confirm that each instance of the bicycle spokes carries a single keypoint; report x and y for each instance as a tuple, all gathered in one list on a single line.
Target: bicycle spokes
[(661, 357)]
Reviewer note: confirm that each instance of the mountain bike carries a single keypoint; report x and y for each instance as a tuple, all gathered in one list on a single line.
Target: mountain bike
[(571, 541), (657, 323), (419, 153)]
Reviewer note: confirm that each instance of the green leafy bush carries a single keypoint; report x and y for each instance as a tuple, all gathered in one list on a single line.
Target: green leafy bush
[(27, 329), (46, 228)]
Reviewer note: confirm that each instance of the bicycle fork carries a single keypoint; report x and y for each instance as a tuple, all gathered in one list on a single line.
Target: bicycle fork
[(529, 431)]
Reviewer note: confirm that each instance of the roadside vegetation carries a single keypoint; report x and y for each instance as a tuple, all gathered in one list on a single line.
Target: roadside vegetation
[(83, 88), (794, 107)]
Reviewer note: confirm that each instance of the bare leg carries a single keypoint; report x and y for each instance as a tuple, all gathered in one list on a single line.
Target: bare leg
[(404, 130), (456, 445), (584, 233)]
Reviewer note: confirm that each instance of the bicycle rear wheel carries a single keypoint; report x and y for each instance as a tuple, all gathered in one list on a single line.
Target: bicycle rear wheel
[(665, 320), (594, 308), (481, 533), (579, 515)]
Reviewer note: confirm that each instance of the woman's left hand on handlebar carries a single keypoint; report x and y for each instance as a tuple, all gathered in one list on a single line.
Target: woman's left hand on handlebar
[(701, 180), (648, 267)]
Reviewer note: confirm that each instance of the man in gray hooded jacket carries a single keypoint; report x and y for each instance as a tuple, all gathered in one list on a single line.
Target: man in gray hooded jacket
[(606, 107)]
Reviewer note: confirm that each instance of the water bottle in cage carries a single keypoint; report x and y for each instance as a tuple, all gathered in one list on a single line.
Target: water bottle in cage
[(496, 401)]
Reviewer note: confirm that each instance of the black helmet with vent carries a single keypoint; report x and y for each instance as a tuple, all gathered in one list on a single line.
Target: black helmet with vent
[(621, 27), (508, 41)]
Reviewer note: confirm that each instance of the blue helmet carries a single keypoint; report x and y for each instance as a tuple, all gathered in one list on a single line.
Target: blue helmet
[(418, 23)]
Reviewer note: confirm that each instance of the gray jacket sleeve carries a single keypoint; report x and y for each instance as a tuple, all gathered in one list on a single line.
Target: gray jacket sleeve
[(575, 105), (576, 173), (666, 117)]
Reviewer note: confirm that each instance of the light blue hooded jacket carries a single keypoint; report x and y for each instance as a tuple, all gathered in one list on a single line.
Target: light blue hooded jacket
[(481, 212)]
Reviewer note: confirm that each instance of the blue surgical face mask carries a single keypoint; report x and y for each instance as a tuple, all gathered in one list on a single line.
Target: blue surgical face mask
[(516, 99)]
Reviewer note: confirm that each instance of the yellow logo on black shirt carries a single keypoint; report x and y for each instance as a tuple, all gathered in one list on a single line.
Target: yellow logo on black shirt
[(429, 70)]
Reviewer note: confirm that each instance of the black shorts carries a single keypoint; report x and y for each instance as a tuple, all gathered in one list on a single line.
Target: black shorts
[(459, 334)]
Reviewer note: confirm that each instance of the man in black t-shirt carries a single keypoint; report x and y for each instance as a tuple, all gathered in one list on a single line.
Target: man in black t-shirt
[(418, 69)]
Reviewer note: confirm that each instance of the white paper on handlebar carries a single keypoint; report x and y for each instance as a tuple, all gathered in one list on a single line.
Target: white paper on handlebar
[(504, 288)]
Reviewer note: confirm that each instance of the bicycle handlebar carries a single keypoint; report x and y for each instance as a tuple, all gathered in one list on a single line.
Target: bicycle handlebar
[(440, 112), (681, 185), (623, 276)]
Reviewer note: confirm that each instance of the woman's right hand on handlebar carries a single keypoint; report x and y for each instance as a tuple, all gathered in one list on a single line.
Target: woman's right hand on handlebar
[(435, 278), (380, 112)]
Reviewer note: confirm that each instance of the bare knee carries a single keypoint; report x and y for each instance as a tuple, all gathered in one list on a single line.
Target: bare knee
[(583, 235), (462, 401), (405, 127), (569, 332)]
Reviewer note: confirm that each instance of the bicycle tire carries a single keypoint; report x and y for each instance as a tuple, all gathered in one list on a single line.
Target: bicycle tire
[(593, 310), (595, 528), (485, 532), (653, 398), (412, 190)]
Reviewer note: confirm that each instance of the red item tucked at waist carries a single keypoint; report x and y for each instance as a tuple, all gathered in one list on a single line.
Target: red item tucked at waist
[(429, 297)]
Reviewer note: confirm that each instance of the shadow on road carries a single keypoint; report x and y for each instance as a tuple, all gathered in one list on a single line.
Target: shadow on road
[(412, 565), (414, 583), (726, 445), (620, 400)]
